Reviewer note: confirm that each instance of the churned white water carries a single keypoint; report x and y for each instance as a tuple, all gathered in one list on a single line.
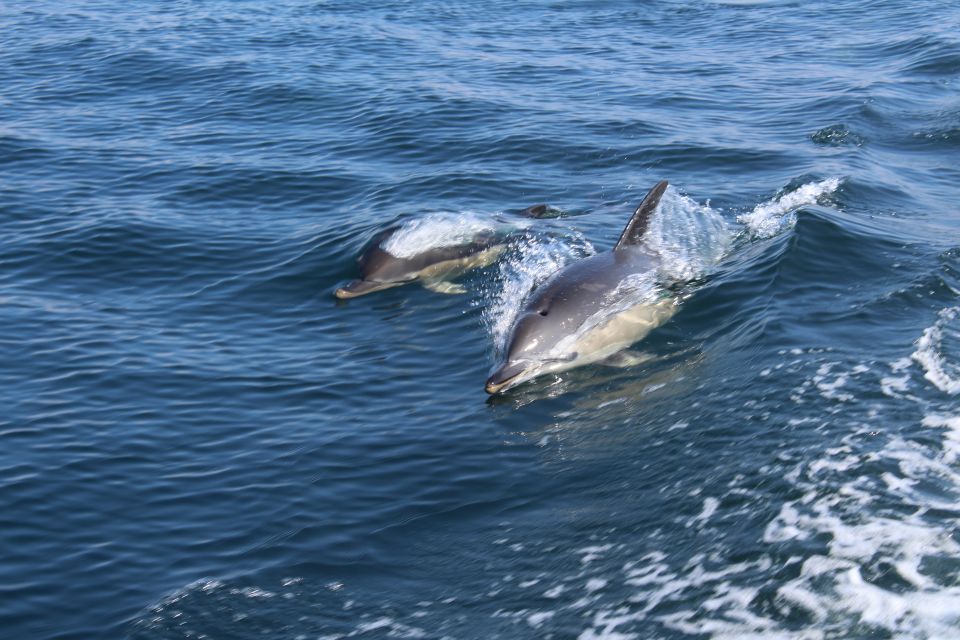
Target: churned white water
[(876, 509)]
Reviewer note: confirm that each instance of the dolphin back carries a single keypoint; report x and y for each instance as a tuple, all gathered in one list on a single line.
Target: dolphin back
[(633, 232), (538, 211)]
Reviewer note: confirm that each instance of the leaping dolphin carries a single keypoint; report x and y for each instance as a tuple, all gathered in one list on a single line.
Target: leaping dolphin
[(584, 313), (432, 266)]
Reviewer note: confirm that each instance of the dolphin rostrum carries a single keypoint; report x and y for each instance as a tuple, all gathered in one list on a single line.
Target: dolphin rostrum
[(585, 313), (433, 266)]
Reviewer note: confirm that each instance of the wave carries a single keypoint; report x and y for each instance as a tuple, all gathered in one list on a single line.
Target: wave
[(774, 216), (933, 351), (884, 513)]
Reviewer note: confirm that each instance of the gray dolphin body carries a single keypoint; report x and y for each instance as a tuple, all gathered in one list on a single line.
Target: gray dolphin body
[(583, 313), (434, 267)]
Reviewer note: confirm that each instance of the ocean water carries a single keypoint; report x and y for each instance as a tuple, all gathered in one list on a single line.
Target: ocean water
[(200, 442)]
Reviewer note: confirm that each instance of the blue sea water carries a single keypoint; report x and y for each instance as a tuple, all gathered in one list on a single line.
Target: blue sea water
[(200, 442)]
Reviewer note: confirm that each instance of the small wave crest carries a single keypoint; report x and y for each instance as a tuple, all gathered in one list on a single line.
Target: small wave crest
[(933, 351), (773, 216), (439, 230)]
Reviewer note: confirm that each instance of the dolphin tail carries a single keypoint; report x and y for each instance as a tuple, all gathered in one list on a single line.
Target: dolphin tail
[(641, 217)]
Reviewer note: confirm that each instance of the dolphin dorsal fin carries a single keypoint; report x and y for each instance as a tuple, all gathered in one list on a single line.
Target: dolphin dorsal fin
[(641, 217)]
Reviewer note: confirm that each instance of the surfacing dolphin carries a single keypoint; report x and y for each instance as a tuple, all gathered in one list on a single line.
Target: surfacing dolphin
[(433, 266), (585, 313)]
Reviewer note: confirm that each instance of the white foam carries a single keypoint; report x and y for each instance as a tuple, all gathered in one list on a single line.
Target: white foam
[(253, 592), (710, 506), (604, 625), (938, 366), (591, 553), (773, 216), (379, 623), (894, 386), (951, 444), (390, 627), (877, 553), (860, 532), (554, 592), (537, 619), (830, 389), (438, 230), (595, 584)]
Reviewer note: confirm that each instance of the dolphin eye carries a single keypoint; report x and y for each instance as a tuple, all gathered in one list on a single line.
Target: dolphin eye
[(543, 312)]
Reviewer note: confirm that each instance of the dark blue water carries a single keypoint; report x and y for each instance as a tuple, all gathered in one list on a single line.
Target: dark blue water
[(199, 442)]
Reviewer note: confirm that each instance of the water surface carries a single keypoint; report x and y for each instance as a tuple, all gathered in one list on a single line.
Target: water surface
[(200, 442)]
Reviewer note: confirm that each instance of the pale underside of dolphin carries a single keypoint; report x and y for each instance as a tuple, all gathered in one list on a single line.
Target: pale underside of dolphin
[(433, 267), (584, 313)]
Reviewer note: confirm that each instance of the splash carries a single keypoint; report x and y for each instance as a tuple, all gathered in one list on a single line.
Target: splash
[(691, 238), (441, 230), (930, 353), (770, 218)]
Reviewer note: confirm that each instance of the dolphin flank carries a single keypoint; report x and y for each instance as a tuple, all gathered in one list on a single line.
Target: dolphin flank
[(583, 313)]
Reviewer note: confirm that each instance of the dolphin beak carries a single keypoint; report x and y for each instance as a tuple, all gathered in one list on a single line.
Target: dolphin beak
[(504, 377), (357, 288)]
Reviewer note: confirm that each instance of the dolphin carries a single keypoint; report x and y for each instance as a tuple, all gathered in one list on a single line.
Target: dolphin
[(434, 267), (584, 313)]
